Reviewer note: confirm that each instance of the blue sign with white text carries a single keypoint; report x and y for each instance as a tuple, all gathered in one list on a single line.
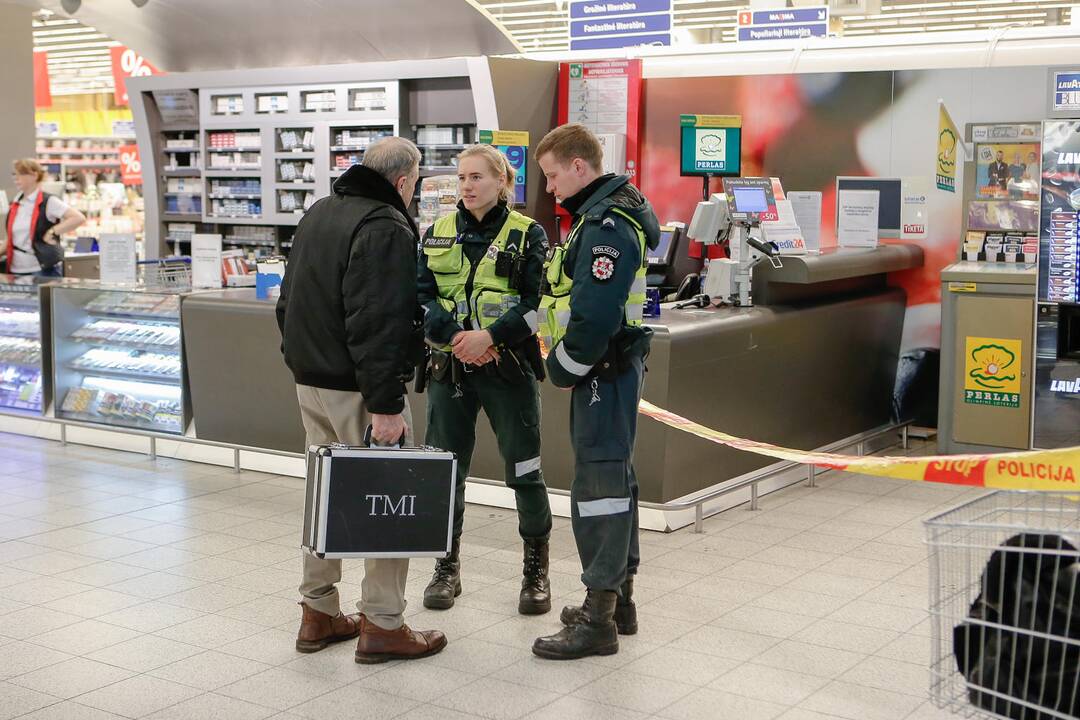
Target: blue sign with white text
[(783, 32), (1066, 91), (584, 9), (619, 41), (620, 26), (788, 17)]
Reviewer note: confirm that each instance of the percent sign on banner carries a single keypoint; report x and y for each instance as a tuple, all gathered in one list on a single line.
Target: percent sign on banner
[(130, 165), (126, 63)]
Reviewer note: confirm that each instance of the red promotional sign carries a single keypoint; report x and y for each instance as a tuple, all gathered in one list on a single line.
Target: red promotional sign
[(42, 88), (130, 165), (126, 63)]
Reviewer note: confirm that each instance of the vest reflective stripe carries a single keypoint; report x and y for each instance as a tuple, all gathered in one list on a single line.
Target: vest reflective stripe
[(555, 302), (491, 295)]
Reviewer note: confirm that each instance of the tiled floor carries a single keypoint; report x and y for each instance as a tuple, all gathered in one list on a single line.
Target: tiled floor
[(131, 588)]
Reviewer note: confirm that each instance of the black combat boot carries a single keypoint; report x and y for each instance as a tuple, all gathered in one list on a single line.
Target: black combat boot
[(445, 584), (535, 597), (625, 610), (594, 635)]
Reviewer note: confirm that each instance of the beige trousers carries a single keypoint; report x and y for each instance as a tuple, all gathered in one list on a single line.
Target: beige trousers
[(331, 416)]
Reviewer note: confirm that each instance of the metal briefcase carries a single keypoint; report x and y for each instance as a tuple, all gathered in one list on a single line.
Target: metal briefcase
[(379, 502)]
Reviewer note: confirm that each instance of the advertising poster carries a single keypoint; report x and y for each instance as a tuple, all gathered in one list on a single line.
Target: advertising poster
[(710, 144), (515, 146), (947, 150), (1007, 171), (1059, 259), (992, 372)]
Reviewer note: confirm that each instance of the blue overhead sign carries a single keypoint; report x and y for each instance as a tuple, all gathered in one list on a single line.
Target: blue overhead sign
[(786, 17), (620, 26), (783, 32), (606, 8), (609, 24), (783, 24)]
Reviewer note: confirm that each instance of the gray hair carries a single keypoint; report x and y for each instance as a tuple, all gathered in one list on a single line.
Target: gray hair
[(392, 157)]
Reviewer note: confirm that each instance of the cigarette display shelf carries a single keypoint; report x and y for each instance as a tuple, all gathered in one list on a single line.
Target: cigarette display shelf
[(21, 363), (118, 358)]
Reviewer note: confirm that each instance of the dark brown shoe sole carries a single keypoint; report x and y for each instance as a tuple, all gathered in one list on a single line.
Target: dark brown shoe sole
[(534, 608), (376, 658), (433, 603), (313, 646)]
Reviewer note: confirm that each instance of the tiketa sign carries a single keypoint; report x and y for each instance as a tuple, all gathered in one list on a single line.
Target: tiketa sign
[(126, 63)]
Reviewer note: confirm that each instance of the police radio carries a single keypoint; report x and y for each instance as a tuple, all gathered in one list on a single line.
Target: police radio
[(510, 263)]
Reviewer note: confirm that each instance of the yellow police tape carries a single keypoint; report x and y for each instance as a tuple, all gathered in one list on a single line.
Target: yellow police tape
[(1035, 470)]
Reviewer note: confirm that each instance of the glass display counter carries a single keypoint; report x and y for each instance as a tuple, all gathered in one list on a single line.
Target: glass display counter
[(22, 368), (118, 358)]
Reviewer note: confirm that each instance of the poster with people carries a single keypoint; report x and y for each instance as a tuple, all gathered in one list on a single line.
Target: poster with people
[(1007, 170)]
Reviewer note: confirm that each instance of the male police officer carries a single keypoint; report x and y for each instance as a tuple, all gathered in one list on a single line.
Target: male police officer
[(591, 323)]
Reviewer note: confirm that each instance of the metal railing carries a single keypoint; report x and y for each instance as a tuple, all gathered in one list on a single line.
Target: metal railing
[(695, 503)]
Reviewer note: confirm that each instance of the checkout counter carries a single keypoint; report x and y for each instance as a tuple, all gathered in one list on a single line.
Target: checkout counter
[(812, 362)]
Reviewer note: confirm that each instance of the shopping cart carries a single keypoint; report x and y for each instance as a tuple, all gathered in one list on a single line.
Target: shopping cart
[(1005, 606), (170, 273)]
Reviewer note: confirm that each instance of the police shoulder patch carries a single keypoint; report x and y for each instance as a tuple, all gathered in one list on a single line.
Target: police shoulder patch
[(605, 250), (439, 242), (603, 267)]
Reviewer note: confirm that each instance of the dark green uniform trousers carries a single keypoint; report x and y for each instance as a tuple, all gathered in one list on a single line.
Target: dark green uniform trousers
[(604, 493), (514, 413)]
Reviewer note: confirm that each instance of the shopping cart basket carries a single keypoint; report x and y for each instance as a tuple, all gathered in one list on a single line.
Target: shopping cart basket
[(170, 273), (1005, 606)]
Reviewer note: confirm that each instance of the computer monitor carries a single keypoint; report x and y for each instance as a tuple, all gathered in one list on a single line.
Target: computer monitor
[(890, 200), (662, 255), (750, 200)]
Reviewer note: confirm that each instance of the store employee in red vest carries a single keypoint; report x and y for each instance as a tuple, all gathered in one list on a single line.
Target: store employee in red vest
[(35, 222)]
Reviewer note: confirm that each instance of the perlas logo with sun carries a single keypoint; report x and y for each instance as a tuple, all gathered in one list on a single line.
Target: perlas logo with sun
[(992, 372)]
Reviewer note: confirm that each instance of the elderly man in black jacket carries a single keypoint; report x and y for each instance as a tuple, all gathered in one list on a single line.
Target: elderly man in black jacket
[(346, 312)]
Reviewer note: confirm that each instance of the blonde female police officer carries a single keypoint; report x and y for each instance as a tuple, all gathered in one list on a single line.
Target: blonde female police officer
[(479, 285), (591, 321)]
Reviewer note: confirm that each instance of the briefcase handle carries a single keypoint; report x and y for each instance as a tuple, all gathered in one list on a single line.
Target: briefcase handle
[(367, 440)]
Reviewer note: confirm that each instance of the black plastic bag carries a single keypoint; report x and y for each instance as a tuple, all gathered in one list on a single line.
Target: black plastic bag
[(1030, 585)]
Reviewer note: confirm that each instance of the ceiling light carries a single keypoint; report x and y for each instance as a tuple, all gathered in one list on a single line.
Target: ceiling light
[(70, 6), (139, 3)]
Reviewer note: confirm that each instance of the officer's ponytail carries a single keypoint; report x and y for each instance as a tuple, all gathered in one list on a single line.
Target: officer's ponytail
[(499, 166)]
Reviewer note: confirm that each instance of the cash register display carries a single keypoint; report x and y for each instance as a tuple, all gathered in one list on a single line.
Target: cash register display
[(750, 200), (662, 254)]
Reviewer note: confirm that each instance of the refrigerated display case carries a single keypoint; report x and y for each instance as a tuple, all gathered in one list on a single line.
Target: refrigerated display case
[(22, 369), (118, 358)]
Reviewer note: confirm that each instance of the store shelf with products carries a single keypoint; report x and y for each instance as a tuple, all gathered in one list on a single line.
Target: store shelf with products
[(118, 358), (294, 139), (22, 366)]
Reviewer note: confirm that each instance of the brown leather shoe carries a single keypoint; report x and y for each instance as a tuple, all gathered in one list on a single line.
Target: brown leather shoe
[(377, 645), (318, 630)]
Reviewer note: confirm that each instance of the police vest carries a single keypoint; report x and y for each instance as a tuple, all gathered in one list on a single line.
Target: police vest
[(473, 294), (555, 300)]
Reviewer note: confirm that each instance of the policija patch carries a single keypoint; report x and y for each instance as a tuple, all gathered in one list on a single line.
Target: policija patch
[(439, 242)]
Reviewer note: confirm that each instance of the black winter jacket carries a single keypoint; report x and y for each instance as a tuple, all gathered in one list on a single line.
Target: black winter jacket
[(348, 299)]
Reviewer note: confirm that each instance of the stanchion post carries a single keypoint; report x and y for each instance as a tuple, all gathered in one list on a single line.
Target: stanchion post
[(753, 496), (153, 448), (699, 519), (236, 460), (860, 448), (63, 434), (904, 438), (811, 476)]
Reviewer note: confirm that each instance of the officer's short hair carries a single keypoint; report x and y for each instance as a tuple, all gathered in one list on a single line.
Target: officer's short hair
[(570, 141), (392, 157)]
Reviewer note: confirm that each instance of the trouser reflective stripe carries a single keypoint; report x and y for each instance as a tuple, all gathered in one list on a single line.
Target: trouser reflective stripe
[(603, 506), (635, 313), (526, 466), (532, 320), (639, 286)]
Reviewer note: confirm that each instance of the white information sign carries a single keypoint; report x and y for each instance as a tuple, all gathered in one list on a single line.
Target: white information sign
[(857, 218), (807, 209), (205, 261), (117, 259)]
